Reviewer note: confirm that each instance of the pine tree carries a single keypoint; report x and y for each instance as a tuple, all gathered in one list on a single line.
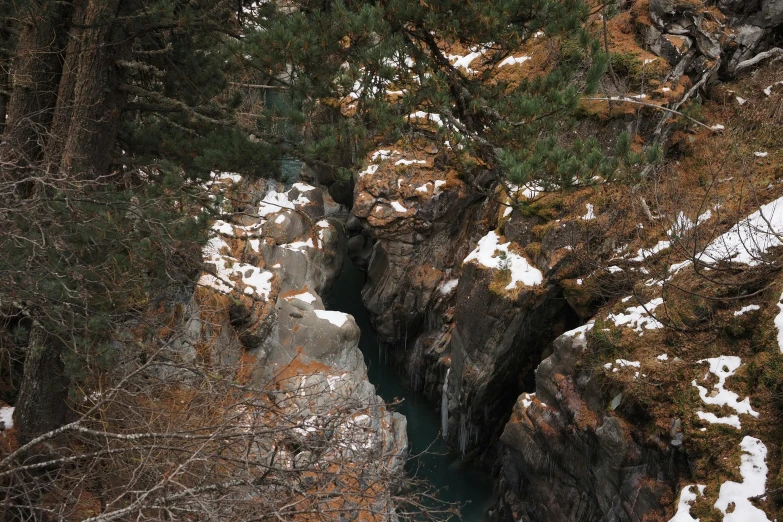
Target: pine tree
[(362, 50), (118, 109)]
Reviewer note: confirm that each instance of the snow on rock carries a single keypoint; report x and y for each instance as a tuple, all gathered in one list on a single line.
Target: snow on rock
[(513, 60), (638, 317), (399, 207), (491, 254), (303, 187), (749, 239), (228, 271), (746, 309), (7, 417), (303, 296), (448, 286), (687, 497), (579, 335), (527, 400), (222, 227), (275, 201), (734, 497), (723, 367), (590, 214), (336, 318), (663, 357), (424, 188), (299, 245)]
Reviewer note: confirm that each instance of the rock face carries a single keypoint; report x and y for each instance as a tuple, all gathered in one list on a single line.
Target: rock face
[(436, 313), (273, 262), (568, 457), (731, 35)]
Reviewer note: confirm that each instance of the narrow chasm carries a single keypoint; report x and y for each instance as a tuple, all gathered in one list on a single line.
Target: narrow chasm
[(432, 459)]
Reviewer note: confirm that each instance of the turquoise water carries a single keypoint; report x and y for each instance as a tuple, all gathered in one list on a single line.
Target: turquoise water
[(455, 480)]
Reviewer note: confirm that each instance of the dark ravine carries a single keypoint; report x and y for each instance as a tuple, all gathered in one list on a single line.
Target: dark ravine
[(436, 462)]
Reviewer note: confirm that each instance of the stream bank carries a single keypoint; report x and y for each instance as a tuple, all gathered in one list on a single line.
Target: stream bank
[(443, 468)]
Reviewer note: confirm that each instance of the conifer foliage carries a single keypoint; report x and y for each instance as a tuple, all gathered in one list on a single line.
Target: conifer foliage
[(114, 113)]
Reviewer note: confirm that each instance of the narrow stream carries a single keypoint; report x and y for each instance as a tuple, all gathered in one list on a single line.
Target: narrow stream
[(457, 481)]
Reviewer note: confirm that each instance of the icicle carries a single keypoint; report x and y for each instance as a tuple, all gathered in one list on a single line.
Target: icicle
[(444, 407)]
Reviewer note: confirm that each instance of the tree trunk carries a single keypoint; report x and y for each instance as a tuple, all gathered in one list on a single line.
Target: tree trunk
[(41, 405), (34, 81), (63, 112), (90, 108)]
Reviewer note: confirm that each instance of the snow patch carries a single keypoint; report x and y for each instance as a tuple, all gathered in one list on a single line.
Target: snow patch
[(687, 497), (228, 270), (512, 60), (399, 207), (638, 317), (737, 495), (427, 116), (749, 239), (336, 318), (303, 296), (491, 254), (464, 61), (746, 309), (731, 420), (7, 417), (298, 246), (448, 286), (222, 227), (590, 213), (579, 335), (723, 367), (779, 324), (384, 154), (410, 162), (768, 90)]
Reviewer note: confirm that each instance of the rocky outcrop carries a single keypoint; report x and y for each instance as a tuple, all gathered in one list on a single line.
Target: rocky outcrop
[(259, 308), (701, 34), (567, 456), (437, 313)]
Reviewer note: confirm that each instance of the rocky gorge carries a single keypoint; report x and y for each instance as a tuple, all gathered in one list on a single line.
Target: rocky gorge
[(482, 293), (595, 346), (562, 334)]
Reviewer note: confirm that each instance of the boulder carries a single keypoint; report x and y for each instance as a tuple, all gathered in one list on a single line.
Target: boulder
[(566, 456)]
